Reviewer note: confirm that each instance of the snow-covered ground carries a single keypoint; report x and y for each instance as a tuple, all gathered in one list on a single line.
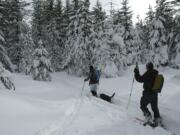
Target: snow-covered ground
[(56, 108)]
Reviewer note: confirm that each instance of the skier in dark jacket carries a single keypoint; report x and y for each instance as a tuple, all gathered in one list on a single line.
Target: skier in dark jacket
[(93, 82), (148, 97)]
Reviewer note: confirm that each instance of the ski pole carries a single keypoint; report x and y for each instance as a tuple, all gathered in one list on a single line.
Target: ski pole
[(132, 88), (82, 89), (130, 93)]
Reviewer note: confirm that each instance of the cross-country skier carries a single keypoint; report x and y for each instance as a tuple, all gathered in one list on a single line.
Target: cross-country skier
[(93, 80), (148, 96)]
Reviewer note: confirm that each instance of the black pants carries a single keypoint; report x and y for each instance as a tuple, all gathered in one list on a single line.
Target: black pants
[(152, 99)]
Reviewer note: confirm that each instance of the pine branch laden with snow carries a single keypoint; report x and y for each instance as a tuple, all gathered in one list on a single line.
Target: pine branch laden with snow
[(41, 67), (4, 77), (6, 60), (1, 37)]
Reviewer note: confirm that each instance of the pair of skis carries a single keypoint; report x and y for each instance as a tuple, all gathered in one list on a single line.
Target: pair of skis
[(149, 123), (153, 125)]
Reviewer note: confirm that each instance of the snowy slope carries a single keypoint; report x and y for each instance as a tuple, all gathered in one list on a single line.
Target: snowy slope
[(56, 108)]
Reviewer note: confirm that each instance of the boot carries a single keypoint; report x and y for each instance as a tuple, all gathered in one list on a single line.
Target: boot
[(158, 122), (148, 119)]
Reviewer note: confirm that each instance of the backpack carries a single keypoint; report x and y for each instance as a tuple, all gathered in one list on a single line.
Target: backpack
[(95, 76), (97, 72), (158, 83)]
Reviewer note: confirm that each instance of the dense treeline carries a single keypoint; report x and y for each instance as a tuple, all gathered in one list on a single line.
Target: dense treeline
[(72, 36)]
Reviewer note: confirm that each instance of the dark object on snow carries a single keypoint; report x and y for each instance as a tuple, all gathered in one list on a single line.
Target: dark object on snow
[(148, 97), (106, 97), (94, 93)]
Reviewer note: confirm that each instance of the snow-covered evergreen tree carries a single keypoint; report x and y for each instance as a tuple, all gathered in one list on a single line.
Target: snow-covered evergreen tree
[(72, 34), (4, 74), (12, 31), (174, 49), (146, 36), (41, 67), (4, 58), (59, 34), (158, 43), (149, 15), (172, 28), (78, 45), (125, 15), (49, 25), (97, 36), (37, 20), (27, 46), (50, 32), (67, 12), (114, 50), (12, 16), (139, 42), (158, 37), (177, 22), (98, 17)]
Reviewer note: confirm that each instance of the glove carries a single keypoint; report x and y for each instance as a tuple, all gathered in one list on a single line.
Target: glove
[(136, 70)]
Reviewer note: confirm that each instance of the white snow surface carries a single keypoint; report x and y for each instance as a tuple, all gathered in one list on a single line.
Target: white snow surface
[(57, 108)]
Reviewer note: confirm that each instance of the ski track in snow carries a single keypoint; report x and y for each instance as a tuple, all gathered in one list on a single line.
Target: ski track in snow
[(56, 108)]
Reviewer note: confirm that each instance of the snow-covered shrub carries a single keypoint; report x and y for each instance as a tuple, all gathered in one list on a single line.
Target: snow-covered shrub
[(41, 67), (4, 59)]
